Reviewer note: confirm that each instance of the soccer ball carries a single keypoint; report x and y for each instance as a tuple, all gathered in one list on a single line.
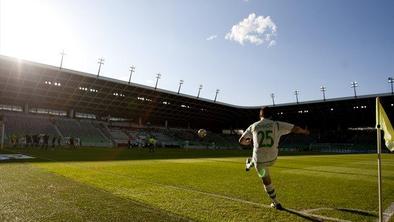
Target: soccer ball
[(202, 133)]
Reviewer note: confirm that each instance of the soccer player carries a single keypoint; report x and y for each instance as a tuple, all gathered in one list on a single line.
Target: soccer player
[(152, 144), (265, 135), (53, 141), (46, 140), (59, 140)]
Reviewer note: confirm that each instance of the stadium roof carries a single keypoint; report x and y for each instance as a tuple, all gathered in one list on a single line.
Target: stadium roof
[(44, 86)]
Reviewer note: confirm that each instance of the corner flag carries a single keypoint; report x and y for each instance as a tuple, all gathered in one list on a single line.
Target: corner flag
[(382, 123), (385, 125)]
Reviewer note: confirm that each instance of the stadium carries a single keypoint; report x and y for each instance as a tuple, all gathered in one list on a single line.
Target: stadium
[(42, 99), (206, 111), (83, 126)]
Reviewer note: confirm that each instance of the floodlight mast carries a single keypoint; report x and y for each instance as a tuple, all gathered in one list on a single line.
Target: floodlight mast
[(391, 81), (296, 93), (199, 90), (273, 99), (216, 95), (61, 60), (354, 85), (157, 79), (132, 70), (180, 85), (323, 89), (100, 62)]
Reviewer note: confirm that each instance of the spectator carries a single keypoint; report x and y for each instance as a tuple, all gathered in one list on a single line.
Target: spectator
[(28, 140), (45, 138), (59, 139), (77, 142), (35, 140), (53, 141), (13, 140), (41, 140), (72, 142)]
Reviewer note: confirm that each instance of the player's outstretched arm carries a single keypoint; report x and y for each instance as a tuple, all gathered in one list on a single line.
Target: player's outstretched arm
[(299, 130)]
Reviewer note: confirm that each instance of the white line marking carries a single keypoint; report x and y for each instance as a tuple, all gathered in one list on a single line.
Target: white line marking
[(316, 209), (312, 216), (388, 213), (14, 157)]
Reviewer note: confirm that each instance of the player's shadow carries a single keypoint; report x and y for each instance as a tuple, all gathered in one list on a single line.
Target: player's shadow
[(305, 216), (356, 211), (66, 154), (318, 219)]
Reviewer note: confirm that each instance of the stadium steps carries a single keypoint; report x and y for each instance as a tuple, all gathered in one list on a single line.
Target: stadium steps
[(104, 130), (118, 136), (57, 130), (100, 130), (89, 135), (22, 124)]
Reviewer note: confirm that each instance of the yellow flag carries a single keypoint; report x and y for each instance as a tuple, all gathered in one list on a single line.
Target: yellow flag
[(385, 125)]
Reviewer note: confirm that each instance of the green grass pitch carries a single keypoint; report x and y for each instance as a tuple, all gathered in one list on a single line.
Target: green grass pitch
[(102, 184)]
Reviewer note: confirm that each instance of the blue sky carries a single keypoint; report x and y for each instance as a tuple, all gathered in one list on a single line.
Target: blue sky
[(309, 43)]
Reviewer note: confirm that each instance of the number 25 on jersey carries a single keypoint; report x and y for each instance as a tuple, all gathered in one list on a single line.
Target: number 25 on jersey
[(265, 139)]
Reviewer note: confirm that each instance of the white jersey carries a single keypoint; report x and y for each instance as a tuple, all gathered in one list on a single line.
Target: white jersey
[(266, 134)]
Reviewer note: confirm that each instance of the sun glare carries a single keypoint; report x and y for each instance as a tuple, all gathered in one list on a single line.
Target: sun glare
[(32, 30)]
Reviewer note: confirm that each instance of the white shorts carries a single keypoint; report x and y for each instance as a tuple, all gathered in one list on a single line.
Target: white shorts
[(263, 158), (264, 155), (262, 168)]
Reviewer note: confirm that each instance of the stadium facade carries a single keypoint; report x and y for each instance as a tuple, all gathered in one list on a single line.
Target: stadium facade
[(29, 86), (33, 88)]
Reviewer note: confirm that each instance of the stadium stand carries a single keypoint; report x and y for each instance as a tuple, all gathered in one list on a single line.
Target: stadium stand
[(98, 133), (83, 129), (21, 124), (163, 138), (170, 117), (118, 136), (103, 129)]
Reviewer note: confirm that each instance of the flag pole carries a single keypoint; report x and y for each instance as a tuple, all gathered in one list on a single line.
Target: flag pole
[(2, 135), (379, 151)]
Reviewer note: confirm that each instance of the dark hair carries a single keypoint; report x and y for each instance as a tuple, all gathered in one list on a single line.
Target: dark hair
[(265, 112)]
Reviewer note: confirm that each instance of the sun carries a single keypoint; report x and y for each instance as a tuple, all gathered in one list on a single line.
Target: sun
[(32, 29)]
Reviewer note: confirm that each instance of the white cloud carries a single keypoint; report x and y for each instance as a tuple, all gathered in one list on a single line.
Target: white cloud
[(255, 30), (212, 37)]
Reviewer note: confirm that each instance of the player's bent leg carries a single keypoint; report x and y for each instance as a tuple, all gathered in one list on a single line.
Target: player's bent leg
[(269, 188)]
